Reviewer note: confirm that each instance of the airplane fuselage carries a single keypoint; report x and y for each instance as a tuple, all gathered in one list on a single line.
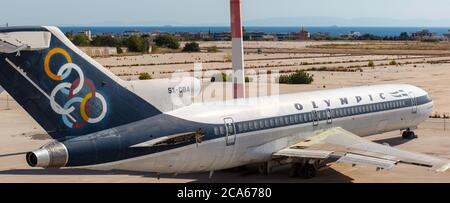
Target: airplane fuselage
[(243, 132)]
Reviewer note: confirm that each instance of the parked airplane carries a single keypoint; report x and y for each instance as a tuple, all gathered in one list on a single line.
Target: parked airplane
[(99, 121)]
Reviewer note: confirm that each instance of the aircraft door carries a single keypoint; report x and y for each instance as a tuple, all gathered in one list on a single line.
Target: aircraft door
[(230, 129), (329, 115), (413, 102)]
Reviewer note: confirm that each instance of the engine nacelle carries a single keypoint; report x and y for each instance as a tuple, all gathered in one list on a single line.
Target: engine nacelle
[(52, 155)]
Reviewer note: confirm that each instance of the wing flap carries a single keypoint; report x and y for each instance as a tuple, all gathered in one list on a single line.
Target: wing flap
[(301, 153), (367, 161)]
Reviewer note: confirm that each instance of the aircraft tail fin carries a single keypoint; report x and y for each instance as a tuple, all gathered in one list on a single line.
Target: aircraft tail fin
[(68, 93)]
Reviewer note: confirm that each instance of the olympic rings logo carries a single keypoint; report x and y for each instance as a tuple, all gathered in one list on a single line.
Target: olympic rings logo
[(71, 90)]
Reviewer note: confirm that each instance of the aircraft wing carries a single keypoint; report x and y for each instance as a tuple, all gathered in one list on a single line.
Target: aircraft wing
[(346, 147)]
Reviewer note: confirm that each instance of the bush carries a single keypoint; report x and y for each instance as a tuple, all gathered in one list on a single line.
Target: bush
[(191, 47), (299, 77), (393, 63), (371, 64), (135, 44), (220, 77), (80, 40), (145, 76), (105, 41), (168, 41), (119, 50), (212, 49)]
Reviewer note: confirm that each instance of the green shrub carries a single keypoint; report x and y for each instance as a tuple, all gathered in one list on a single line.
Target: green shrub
[(135, 44), (80, 40), (168, 41), (222, 77), (393, 63), (191, 47), (299, 77), (119, 50), (371, 64), (105, 41), (145, 76)]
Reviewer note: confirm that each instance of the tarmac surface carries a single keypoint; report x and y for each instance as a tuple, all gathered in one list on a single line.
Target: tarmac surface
[(20, 134)]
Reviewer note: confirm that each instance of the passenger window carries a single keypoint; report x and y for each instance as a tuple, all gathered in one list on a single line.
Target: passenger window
[(296, 118), (272, 123), (261, 124), (256, 125), (240, 127), (250, 126), (277, 122), (222, 130), (281, 121), (266, 123), (216, 131), (246, 126), (300, 118), (292, 119)]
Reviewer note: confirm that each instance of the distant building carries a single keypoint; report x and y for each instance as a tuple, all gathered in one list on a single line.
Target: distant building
[(301, 35), (88, 34), (447, 35), (282, 36), (254, 36), (130, 33), (352, 35), (424, 34), (321, 36), (222, 36)]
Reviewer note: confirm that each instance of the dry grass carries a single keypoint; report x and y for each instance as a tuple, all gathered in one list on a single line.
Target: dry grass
[(388, 46)]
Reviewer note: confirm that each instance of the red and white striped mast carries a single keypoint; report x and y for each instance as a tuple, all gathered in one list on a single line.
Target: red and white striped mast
[(237, 49)]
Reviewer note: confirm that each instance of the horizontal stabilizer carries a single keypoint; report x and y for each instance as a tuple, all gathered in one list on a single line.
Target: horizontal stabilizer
[(12, 42)]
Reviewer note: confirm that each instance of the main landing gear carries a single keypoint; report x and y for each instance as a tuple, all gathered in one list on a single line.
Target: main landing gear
[(306, 169), (409, 134), (303, 170)]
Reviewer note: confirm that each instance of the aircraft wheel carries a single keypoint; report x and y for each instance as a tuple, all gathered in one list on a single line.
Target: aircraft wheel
[(262, 169), (308, 171), (295, 169), (409, 135)]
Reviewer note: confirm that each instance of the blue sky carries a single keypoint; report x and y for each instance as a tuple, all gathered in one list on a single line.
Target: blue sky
[(216, 12)]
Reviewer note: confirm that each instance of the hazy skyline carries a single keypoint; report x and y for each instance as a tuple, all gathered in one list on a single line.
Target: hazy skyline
[(216, 12)]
